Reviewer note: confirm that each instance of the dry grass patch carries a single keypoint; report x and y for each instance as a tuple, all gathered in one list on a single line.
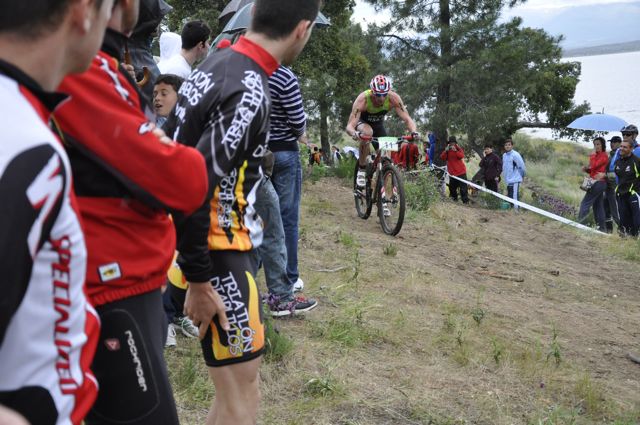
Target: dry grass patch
[(480, 317)]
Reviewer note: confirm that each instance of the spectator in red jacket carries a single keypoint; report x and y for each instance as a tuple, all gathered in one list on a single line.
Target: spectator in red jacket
[(398, 157), (410, 155), (454, 155), (597, 171), (426, 147), (127, 176)]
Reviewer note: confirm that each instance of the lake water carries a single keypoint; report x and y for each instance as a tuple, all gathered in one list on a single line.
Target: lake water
[(609, 83)]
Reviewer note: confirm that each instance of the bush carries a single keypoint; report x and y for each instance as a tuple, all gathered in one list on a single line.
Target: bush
[(317, 172), (421, 191), (344, 169)]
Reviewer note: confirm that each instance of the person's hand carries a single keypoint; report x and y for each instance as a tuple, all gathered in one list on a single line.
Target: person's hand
[(202, 304), (162, 136), (130, 69), (585, 168)]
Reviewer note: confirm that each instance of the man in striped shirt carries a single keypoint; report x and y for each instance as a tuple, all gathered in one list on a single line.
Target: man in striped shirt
[(288, 125)]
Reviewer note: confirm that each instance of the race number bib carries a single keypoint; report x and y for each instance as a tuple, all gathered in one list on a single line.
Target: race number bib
[(388, 143)]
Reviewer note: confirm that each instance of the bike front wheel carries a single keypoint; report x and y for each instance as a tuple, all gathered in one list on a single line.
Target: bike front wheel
[(362, 196), (391, 201)]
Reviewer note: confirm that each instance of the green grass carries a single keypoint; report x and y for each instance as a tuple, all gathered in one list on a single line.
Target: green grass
[(346, 239), (277, 345), (390, 250)]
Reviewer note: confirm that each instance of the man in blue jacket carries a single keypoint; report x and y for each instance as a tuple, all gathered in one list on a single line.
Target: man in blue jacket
[(513, 170), (610, 205)]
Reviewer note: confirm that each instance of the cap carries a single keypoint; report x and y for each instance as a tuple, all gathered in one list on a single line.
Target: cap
[(615, 139), (452, 139)]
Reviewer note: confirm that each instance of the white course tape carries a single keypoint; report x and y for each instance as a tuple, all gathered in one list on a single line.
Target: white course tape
[(524, 205)]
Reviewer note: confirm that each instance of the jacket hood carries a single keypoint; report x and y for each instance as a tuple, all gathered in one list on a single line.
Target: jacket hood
[(170, 45)]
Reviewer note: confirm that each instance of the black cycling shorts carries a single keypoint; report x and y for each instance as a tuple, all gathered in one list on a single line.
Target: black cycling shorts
[(234, 281), (129, 364), (378, 131)]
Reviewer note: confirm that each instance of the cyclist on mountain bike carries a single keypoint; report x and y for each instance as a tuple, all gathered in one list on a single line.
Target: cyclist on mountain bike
[(367, 118)]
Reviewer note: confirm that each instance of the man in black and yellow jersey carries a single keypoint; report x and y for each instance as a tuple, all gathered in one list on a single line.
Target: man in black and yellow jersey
[(223, 109), (367, 118)]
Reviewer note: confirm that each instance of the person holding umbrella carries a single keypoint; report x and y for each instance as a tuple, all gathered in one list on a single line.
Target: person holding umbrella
[(610, 203), (630, 133), (627, 169)]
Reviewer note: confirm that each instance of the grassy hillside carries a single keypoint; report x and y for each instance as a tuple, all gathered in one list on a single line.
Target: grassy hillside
[(469, 316)]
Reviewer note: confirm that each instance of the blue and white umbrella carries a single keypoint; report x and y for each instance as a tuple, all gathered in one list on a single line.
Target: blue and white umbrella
[(598, 122)]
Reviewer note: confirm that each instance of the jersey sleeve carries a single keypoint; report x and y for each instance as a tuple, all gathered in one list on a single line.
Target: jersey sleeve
[(32, 187)]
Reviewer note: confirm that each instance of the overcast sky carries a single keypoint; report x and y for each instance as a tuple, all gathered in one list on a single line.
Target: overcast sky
[(364, 12), (554, 4)]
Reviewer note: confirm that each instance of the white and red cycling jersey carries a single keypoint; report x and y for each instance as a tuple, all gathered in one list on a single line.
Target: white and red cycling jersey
[(48, 330)]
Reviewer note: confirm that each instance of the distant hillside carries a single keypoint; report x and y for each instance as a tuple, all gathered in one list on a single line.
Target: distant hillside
[(631, 46), (587, 25)]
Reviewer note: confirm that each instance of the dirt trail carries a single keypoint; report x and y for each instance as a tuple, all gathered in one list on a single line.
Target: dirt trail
[(528, 274)]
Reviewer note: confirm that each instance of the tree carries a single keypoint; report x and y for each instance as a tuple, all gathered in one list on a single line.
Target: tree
[(477, 76), (188, 10), (332, 70)]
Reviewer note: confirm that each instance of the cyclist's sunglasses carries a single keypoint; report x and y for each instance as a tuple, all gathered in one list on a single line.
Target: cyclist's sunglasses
[(627, 134), (380, 94)]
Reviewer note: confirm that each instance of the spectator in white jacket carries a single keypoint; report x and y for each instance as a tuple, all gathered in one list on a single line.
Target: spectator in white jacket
[(195, 46)]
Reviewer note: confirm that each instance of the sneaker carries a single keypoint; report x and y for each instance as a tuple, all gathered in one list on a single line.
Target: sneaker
[(279, 308), (361, 179), (299, 305), (171, 337), (186, 326), (302, 305), (298, 286)]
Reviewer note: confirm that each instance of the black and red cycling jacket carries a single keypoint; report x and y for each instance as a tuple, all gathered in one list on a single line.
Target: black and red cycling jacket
[(223, 108), (125, 179)]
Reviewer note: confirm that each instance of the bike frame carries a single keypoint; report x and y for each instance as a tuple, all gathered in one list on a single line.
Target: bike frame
[(378, 162)]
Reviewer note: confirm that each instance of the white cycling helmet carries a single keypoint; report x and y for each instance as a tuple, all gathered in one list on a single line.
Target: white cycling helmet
[(380, 85)]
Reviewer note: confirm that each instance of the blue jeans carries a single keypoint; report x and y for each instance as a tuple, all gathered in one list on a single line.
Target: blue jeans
[(287, 180), (272, 251)]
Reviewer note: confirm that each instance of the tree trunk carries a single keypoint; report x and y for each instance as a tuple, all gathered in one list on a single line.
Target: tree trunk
[(324, 133), (443, 91)]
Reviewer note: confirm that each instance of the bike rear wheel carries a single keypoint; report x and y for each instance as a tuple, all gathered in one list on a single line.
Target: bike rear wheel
[(362, 197), (391, 201)]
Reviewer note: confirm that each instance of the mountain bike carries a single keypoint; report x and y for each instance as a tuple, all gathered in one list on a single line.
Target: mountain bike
[(383, 186)]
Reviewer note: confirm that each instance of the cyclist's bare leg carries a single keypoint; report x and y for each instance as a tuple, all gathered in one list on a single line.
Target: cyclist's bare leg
[(237, 393), (364, 148)]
